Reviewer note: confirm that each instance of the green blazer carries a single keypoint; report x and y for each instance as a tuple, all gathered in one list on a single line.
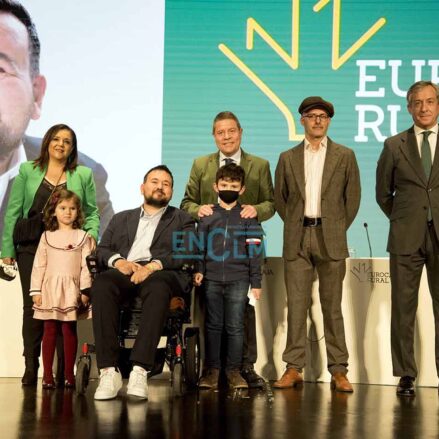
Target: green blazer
[(23, 190), (258, 185)]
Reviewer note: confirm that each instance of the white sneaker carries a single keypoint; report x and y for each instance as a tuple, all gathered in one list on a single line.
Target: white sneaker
[(110, 382), (138, 384)]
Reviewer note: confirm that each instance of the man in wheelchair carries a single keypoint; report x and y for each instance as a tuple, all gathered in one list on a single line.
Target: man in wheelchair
[(140, 253)]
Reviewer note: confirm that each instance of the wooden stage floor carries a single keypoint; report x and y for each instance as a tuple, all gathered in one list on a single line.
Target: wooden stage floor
[(311, 412)]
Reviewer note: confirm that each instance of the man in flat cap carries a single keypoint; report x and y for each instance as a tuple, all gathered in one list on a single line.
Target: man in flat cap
[(317, 195)]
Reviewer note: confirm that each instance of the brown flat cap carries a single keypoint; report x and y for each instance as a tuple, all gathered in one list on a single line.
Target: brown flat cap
[(316, 102)]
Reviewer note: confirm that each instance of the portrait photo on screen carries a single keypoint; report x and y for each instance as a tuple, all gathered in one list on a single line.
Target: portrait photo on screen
[(95, 66)]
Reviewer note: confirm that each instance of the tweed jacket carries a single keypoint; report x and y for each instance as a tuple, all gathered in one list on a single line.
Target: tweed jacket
[(340, 197)]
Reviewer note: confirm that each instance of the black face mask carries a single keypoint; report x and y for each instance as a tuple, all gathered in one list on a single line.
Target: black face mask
[(228, 196)]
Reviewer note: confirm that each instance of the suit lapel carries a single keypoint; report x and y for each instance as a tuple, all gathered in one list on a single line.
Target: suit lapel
[(3, 206), (35, 178), (166, 218), (246, 162), (331, 160), (435, 166), (297, 163), (132, 225), (211, 170), (409, 147)]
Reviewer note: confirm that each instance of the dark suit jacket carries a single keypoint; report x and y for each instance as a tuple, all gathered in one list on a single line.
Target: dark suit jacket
[(32, 146), (170, 244), (340, 197), (258, 185), (404, 193)]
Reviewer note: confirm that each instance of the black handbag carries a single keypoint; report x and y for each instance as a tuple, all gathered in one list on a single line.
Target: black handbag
[(29, 230)]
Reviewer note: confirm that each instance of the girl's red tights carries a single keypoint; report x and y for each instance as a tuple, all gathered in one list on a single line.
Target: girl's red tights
[(51, 329)]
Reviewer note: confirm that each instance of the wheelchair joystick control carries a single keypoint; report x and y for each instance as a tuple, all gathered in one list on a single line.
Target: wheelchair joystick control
[(92, 264)]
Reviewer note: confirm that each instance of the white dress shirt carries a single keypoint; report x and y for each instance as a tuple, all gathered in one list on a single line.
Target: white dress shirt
[(314, 163), (432, 139), (235, 157), (141, 248)]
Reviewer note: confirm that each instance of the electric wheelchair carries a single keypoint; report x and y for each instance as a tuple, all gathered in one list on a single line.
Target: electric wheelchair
[(181, 354)]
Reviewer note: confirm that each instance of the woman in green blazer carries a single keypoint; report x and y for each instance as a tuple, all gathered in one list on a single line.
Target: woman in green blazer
[(55, 168)]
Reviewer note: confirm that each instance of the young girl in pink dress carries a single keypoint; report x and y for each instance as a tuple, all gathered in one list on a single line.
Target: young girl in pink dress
[(60, 280)]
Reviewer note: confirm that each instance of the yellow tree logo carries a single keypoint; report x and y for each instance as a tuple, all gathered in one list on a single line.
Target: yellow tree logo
[(292, 58)]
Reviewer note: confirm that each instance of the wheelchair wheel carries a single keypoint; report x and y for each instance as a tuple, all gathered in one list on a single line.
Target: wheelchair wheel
[(177, 380), (82, 375), (192, 356)]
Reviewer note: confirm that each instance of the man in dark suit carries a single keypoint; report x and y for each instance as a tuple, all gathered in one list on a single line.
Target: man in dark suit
[(22, 89), (407, 190), (140, 249), (317, 195), (257, 202)]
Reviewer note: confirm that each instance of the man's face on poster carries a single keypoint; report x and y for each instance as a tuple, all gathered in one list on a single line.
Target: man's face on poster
[(21, 92)]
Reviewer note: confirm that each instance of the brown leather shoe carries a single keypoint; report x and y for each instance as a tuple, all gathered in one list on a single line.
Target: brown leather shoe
[(291, 378), (235, 380), (209, 380), (340, 383)]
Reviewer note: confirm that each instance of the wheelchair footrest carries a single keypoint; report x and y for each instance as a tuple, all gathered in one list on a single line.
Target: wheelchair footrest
[(159, 362)]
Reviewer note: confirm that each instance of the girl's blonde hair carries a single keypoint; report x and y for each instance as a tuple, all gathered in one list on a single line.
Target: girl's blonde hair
[(50, 220)]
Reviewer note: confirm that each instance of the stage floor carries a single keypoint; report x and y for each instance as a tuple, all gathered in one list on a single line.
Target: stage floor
[(312, 412)]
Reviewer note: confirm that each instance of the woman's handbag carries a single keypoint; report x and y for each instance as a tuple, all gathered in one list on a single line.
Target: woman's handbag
[(29, 230)]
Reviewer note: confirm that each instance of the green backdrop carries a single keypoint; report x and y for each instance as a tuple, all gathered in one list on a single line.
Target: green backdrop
[(259, 59)]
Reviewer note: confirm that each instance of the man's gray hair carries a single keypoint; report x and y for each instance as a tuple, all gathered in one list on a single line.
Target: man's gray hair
[(417, 86)]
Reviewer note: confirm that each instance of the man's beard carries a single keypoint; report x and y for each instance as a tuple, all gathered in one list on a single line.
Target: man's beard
[(8, 142), (154, 202)]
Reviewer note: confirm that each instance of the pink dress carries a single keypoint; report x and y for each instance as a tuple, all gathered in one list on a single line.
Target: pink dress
[(59, 273)]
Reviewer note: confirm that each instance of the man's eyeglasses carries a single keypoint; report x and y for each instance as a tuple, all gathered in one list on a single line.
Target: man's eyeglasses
[(316, 116)]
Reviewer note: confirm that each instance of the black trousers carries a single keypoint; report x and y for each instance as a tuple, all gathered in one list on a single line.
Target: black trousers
[(109, 290), (32, 329), (406, 272)]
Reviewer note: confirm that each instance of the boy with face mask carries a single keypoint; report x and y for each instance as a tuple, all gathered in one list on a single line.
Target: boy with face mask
[(229, 263)]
